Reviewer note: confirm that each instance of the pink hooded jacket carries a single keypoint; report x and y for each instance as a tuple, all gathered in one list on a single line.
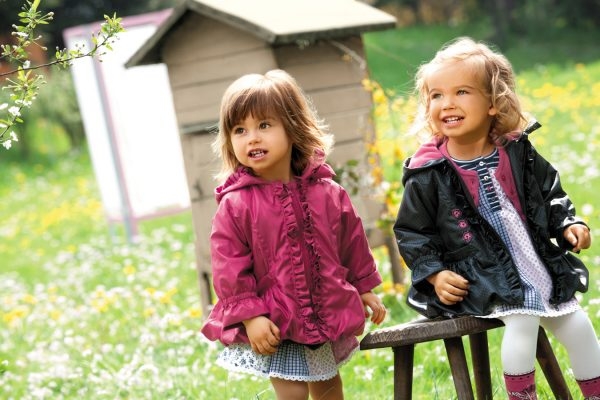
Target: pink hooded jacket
[(296, 253)]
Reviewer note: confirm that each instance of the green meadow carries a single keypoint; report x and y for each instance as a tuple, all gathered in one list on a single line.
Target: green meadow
[(85, 314)]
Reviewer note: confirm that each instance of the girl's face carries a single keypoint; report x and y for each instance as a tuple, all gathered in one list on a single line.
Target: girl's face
[(263, 146), (458, 106)]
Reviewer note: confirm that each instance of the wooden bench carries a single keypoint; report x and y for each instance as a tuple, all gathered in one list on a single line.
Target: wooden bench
[(402, 339)]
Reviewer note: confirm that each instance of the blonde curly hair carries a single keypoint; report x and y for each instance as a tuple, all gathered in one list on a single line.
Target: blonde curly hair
[(497, 79)]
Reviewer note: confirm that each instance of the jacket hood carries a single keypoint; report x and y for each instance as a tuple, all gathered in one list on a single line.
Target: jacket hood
[(426, 154), (243, 177), (431, 153)]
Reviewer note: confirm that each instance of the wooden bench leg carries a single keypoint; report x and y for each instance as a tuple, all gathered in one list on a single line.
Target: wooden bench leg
[(549, 364), (459, 368), (403, 371), (480, 358)]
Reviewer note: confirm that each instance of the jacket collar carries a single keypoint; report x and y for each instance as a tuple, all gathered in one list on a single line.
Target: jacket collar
[(243, 177)]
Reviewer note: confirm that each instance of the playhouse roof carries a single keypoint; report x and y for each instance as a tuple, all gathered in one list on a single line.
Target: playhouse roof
[(274, 21)]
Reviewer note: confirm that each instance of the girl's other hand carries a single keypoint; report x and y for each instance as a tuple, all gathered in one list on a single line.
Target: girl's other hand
[(372, 301), (263, 335), (450, 287), (579, 236)]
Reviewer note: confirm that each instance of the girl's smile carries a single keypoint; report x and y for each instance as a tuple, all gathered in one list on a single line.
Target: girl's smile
[(256, 154)]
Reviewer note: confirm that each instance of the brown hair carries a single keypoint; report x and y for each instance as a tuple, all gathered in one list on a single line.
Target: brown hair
[(274, 94), (497, 78)]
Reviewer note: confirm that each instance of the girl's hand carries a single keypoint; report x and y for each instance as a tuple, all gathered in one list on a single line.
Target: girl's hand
[(263, 334), (449, 286), (372, 301), (579, 236)]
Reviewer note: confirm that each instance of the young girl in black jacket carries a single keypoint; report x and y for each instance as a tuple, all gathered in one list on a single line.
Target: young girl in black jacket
[(484, 224)]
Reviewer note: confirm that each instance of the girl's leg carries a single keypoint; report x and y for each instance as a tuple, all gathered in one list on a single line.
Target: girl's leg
[(576, 333), (519, 344), (292, 390), (327, 390)]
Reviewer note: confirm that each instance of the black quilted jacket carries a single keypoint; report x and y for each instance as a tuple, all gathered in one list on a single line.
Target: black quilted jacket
[(430, 239)]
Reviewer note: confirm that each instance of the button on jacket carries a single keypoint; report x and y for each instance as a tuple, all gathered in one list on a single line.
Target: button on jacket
[(438, 227), (296, 253)]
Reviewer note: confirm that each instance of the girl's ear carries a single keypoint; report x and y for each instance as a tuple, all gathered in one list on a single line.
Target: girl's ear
[(492, 110)]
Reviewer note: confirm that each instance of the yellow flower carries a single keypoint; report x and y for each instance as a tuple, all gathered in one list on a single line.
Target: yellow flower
[(129, 270), (148, 312), (29, 299), (15, 315), (166, 298), (194, 312), (55, 315), (387, 287)]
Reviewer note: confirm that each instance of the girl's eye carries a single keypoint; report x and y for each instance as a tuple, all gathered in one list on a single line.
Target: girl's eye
[(435, 96), (264, 125), (462, 91), (238, 130)]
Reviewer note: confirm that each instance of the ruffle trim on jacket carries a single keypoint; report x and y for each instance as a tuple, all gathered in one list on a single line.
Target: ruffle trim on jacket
[(311, 307)]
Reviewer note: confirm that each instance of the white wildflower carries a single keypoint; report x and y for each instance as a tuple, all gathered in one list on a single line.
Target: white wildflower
[(3, 106), (14, 111), (7, 144), (587, 209), (13, 136)]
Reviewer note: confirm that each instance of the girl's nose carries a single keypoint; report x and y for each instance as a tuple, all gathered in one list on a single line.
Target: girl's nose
[(253, 136), (448, 103)]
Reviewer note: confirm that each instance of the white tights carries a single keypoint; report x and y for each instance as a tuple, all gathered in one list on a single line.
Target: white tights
[(574, 331)]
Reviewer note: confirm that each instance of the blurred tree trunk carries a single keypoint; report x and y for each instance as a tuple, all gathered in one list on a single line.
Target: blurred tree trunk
[(500, 14)]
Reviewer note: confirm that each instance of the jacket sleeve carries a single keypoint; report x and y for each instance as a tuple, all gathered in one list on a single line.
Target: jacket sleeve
[(558, 205), (355, 253), (232, 267), (417, 234)]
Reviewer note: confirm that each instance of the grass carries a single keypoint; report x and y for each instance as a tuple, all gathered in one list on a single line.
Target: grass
[(85, 314)]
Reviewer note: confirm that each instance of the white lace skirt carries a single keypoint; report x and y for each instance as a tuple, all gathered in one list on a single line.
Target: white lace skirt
[(291, 361)]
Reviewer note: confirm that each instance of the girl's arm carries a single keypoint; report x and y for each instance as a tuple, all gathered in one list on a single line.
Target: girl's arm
[(232, 267), (417, 234), (560, 209)]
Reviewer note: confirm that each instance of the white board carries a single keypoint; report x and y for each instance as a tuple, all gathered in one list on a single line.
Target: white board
[(130, 125)]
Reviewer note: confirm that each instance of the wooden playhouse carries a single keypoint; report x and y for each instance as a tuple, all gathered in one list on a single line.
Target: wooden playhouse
[(207, 44)]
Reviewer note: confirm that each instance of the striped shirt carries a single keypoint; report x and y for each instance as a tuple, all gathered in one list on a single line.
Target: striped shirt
[(485, 166)]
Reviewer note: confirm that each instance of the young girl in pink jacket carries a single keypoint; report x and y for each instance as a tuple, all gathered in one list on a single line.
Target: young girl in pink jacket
[(291, 265)]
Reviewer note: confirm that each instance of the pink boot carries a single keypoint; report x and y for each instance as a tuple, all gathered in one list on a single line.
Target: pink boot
[(521, 387), (590, 388)]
